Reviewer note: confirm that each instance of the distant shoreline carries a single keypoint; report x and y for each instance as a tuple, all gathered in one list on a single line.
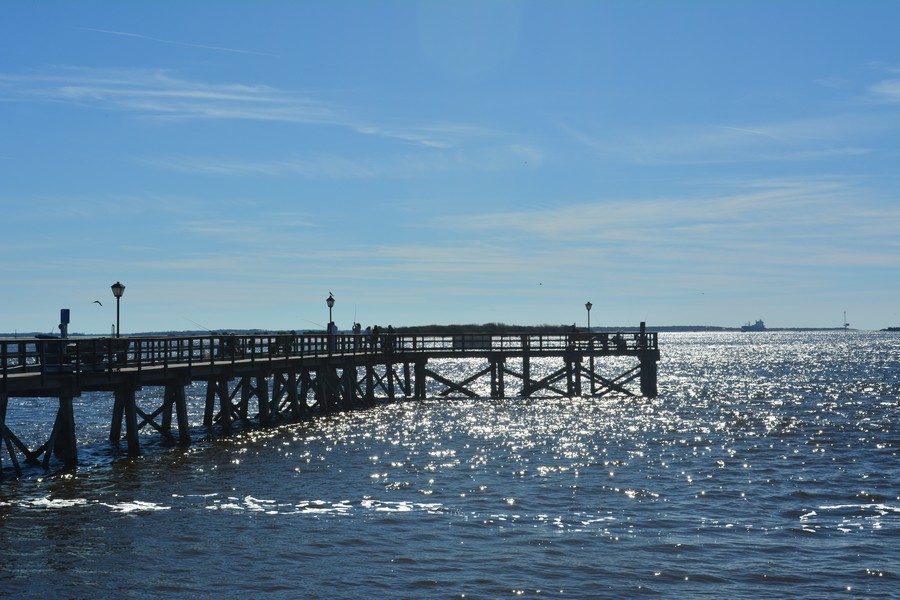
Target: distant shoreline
[(497, 328)]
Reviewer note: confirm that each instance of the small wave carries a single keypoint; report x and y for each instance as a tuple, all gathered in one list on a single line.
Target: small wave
[(54, 503), (135, 506), (853, 509)]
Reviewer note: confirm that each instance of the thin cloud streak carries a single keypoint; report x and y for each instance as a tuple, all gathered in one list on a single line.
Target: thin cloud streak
[(156, 93), (769, 203), (175, 43), (796, 223), (798, 140), (486, 159), (752, 131)]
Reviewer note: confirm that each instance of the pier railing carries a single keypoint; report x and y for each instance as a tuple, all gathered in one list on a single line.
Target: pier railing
[(99, 354)]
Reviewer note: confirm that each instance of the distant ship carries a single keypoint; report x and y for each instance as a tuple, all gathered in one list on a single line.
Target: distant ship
[(758, 326)]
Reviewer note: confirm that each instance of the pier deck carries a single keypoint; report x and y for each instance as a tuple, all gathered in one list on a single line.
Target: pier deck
[(288, 377)]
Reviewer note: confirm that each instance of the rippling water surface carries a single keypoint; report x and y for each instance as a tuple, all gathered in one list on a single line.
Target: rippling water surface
[(767, 467)]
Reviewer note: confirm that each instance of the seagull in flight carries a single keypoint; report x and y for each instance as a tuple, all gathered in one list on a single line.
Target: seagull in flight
[(98, 302)]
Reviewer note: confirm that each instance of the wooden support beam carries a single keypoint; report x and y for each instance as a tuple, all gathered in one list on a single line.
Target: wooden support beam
[(573, 374), (321, 389), (262, 396), (293, 397), (209, 409), (460, 386), (370, 384), (217, 391), (420, 379), (532, 386), (498, 389), (451, 385), (526, 371), (115, 429), (62, 441), (179, 398), (648, 375), (389, 372), (246, 391), (616, 384), (283, 403), (132, 433), (307, 384), (407, 380), (150, 419), (6, 438), (168, 407)]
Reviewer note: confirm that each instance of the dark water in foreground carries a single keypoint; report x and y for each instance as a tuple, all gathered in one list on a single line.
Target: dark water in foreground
[(767, 468)]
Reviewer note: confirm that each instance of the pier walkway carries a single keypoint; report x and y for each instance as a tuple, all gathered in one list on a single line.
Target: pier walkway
[(287, 377)]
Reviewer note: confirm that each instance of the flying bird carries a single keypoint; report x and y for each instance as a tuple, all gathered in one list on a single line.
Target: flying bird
[(98, 302)]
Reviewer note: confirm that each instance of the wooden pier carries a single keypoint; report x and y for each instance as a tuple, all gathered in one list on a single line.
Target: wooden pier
[(261, 380)]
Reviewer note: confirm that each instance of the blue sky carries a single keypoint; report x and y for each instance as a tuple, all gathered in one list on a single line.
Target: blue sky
[(679, 163)]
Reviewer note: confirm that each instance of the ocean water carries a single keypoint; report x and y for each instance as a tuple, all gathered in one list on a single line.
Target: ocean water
[(767, 468)]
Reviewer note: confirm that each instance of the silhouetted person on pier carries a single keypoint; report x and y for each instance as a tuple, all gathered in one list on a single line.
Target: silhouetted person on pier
[(389, 339), (229, 347), (357, 329)]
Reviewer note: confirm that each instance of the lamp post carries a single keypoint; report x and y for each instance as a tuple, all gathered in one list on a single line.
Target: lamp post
[(330, 302), (118, 289), (589, 306)]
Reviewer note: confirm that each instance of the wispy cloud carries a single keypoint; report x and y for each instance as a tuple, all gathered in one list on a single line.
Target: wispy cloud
[(886, 91), (314, 167), (764, 202), (491, 157), (883, 67), (852, 131), (771, 222), (435, 135), (173, 42), (796, 140), (157, 93), (161, 94), (751, 131)]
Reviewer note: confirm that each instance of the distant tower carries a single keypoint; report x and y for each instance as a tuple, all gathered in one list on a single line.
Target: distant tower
[(846, 324)]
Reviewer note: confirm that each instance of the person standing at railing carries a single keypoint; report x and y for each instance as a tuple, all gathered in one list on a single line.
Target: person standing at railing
[(230, 347), (389, 339), (332, 336), (357, 331), (376, 337)]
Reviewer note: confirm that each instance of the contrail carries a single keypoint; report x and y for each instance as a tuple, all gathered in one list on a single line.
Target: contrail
[(162, 41)]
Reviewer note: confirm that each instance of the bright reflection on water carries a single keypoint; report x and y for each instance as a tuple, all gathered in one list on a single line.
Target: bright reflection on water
[(767, 468)]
